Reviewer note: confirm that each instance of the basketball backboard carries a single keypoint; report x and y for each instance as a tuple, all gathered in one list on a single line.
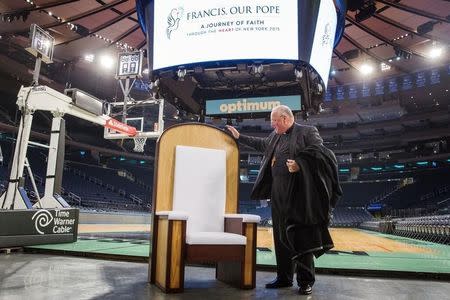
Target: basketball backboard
[(145, 115)]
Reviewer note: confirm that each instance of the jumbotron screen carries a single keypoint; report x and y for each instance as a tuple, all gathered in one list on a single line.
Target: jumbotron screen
[(187, 32)]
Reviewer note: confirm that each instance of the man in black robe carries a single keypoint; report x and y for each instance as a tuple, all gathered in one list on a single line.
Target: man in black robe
[(299, 175)]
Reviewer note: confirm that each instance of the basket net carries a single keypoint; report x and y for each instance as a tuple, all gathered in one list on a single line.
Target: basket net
[(139, 143)]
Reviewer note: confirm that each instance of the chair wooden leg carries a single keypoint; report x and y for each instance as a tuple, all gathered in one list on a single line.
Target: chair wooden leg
[(249, 264), (167, 265), (229, 272), (241, 274)]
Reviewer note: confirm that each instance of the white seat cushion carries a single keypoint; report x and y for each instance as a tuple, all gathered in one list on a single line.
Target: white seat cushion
[(215, 238), (245, 217), (173, 215)]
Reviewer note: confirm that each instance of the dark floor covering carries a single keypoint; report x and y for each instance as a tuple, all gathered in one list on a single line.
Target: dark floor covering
[(38, 276)]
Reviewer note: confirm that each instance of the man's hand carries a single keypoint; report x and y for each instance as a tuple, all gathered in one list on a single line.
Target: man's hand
[(233, 131), (292, 166)]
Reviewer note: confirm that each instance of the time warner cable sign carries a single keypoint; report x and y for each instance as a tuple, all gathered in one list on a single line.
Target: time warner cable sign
[(38, 226), (251, 105), (60, 222)]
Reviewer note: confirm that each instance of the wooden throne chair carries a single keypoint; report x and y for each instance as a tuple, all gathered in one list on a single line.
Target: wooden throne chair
[(195, 205)]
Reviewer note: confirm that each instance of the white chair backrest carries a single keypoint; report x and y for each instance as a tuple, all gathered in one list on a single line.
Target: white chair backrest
[(200, 187)]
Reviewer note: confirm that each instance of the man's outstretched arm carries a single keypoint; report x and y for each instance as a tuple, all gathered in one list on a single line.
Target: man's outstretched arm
[(256, 143)]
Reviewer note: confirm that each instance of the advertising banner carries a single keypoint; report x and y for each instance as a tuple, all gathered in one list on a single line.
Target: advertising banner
[(251, 105), (38, 226)]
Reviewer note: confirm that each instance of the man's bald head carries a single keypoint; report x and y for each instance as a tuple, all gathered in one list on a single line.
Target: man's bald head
[(281, 118), (283, 110)]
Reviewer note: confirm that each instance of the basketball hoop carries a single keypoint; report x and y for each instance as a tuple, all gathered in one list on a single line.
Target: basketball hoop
[(139, 143)]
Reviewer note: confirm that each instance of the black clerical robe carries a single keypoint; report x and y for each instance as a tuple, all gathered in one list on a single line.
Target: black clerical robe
[(304, 216)]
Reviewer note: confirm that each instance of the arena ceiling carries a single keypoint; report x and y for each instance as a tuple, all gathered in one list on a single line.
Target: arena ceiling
[(399, 34), (408, 29)]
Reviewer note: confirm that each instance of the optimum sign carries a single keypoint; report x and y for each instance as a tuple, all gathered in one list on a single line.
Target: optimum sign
[(251, 105), (60, 222)]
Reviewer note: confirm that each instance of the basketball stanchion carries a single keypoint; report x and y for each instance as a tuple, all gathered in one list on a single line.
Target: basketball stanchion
[(51, 219)]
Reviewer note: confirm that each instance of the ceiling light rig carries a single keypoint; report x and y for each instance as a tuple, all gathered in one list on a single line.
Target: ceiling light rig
[(298, 72), (81, 30), (26, 12), (399, 54), (15, 16), (436, 51), (335, 71), (181, 74), (5, 17), (72, 26), (51, 14), (385, 67), (426, 27), (257, 70), (366, 69), (107, 61), (124, 47), (89, 58), (400, 37), (119, 45), (367, 9), (402, 53)]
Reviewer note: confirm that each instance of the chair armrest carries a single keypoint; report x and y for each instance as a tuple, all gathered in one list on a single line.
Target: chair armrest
[(173, 215), (246, 218)]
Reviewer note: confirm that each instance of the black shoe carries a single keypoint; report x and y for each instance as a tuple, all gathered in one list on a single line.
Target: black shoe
[(278, 283), (305, 289)]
